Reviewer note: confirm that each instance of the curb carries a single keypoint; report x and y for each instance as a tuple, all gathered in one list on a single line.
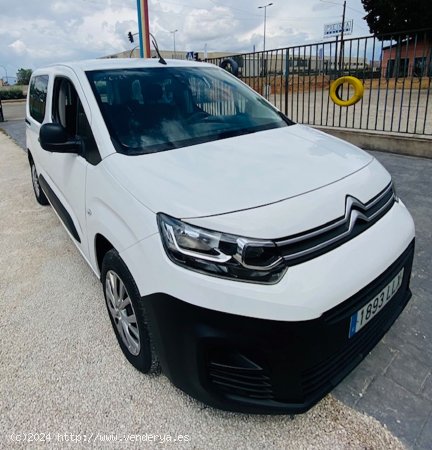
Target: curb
[(389, 143), (14, 100)]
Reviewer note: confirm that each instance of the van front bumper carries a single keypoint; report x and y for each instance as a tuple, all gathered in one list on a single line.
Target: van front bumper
[(253, 365)]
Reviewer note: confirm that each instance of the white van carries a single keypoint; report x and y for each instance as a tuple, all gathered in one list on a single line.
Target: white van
[(255, 260)]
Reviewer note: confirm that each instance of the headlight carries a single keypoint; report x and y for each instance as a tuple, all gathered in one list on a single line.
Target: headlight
[(220, 254)]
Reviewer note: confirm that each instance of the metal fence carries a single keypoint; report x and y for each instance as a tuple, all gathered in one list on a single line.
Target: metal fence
[(395, 69)]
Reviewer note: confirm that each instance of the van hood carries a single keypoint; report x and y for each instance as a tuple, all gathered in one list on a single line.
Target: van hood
[(238, 173)]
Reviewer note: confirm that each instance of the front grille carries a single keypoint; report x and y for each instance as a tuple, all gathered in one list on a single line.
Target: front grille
[(238, 375), (330, 371), (358, 218)]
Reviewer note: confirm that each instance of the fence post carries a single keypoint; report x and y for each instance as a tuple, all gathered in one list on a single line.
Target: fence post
[(336, 65)]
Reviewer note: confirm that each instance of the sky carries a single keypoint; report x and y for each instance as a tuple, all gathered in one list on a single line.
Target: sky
[(34, 33)]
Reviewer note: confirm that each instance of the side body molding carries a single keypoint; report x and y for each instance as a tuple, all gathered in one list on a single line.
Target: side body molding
[(60, 209)]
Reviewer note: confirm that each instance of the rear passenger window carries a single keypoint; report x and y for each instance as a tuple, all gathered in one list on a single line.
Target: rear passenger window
[(38, 95)]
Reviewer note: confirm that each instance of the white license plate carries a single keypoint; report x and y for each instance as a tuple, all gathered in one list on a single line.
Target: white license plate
[(372, 308)]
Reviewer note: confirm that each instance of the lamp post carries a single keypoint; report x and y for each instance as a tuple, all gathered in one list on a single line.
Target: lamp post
[(4, 68), (265, 20), (173, 32)]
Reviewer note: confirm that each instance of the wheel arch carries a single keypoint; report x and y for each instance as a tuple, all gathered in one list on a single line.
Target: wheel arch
[(101, 247)]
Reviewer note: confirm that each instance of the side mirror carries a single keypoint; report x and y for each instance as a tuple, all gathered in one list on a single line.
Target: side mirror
[(53, 138)]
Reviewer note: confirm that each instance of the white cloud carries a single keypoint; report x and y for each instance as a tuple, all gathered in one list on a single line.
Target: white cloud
[(209, 24), (18, 47), (64, 7), (105, 31), (46, 31)]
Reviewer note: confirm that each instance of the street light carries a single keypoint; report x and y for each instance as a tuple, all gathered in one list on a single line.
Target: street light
[(173, 32), (4, 68), (265, 20)]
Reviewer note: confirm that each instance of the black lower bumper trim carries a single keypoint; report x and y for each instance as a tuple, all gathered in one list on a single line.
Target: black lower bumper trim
[(252, 365), (60, 209)]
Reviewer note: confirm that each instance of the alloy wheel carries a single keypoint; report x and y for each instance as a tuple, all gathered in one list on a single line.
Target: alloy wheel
[(122, 312)]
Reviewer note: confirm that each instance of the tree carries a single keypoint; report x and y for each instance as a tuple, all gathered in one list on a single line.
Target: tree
[(23, 76), (390, 16), (386, 17)]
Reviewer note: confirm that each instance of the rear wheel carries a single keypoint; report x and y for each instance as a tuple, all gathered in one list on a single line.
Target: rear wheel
[(39, 194), (127, 314)]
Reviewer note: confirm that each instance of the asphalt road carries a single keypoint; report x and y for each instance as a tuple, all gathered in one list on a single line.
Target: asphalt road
[(14, 115), (14, 110), (393, 384)]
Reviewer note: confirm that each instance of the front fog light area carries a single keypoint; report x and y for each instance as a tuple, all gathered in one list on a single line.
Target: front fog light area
[(220, 254)]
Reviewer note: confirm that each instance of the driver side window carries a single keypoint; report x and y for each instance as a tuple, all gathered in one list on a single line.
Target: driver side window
[(68, 111)]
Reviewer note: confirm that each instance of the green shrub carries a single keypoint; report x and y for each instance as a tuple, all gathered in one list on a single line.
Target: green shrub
[(11, 94)]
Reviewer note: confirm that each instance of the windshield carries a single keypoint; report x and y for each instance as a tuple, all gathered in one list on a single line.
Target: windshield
[(148, 110)]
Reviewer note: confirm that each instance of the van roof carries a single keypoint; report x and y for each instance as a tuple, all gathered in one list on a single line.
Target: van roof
[(128, 63)]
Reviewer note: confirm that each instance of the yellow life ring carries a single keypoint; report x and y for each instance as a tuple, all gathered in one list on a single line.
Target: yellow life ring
[(355, 83)]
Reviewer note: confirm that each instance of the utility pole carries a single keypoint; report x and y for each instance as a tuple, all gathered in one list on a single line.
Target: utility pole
[(173, 33), (265, 20), (341, 47), (341, 51)]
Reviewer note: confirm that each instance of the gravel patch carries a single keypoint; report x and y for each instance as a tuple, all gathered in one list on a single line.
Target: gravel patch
[(63, 373)]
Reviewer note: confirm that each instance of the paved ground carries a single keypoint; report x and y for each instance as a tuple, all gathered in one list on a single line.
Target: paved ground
[(62, 372), (14, 114), (16, 130), (13, 110), (389, 111), (394, 383)]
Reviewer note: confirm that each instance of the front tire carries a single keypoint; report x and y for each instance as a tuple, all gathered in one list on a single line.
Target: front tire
[(127, 314), (39, 194)]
